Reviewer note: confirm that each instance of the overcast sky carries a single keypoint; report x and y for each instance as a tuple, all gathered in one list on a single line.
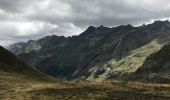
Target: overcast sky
[(21, 20)]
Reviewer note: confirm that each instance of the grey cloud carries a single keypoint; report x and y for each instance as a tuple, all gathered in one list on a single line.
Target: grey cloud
[(116, 12), (21, 20), (13, 5)]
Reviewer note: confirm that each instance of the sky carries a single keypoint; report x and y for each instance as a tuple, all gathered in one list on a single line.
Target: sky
[(22, 20)]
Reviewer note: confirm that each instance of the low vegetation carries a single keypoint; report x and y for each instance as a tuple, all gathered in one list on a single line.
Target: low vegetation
[(16, 89)]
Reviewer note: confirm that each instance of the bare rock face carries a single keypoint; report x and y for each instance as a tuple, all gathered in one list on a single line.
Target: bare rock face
[(96, 48), (156, 68)]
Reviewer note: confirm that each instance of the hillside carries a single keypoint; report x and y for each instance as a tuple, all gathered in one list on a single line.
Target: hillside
[(80, 57), (121, 69), (156, 68), (12, 66)]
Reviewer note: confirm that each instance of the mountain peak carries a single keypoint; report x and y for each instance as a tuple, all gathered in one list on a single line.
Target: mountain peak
[(159, 22), (129, 25), (102, 27), (31, 41), (89, 30)]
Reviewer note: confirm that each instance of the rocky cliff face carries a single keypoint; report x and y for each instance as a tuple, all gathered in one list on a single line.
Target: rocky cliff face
[(156, 68), (98, 52)]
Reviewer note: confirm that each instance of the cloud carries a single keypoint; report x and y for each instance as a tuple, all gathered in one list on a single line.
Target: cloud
[(21, 20)]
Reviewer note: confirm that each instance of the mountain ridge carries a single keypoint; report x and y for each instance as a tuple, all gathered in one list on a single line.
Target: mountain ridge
[(74, 57)]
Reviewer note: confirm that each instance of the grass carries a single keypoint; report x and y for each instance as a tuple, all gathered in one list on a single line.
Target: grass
[(20, 88)]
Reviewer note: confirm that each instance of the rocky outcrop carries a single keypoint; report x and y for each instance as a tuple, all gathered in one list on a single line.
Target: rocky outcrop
[(156, 67), (121, 69)]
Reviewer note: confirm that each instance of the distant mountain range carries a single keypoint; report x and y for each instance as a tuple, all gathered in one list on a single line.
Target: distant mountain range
[(101, 53)]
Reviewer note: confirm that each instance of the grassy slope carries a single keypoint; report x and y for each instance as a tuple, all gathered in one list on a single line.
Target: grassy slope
[(16, 74), (156, 68), (128, 64), (11, 64)]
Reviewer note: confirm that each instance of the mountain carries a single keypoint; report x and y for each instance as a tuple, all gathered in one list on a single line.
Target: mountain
[(123, 68), (21, 47), (156, 67), (98, 53), (19, 81), (12, 66)]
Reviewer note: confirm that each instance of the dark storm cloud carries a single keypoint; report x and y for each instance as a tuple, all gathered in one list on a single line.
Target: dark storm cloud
[(21, 20)]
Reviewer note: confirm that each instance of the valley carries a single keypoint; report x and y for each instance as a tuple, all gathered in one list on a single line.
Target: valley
[(84, 50), (119, 63)]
